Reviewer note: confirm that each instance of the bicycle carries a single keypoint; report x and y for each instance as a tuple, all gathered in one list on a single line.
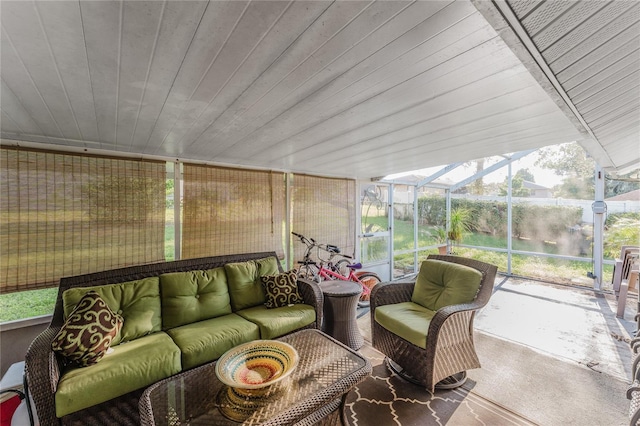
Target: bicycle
[(326, 269), (310, 269)]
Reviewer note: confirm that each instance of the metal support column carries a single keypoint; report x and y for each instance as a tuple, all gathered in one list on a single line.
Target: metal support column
[(288, 253), (599, 211), (415, 229), (177, 209), (391, 227), (509, 219), (448, 224)]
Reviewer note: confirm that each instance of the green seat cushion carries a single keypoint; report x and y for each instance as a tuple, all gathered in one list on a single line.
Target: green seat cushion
[(277, 322), (441, 283), (193, 296), (137, 302), (407, 320), (207, 340), (132, 365), (245, 287)]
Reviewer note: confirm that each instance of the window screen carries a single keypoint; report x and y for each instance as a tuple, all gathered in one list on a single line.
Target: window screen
[(65, 214)]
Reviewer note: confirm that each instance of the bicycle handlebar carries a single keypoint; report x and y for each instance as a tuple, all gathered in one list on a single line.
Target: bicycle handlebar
[(310, 242), (304, 239)]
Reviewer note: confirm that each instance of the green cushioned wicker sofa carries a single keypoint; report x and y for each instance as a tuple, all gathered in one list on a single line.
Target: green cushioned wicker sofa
[(176, 316)]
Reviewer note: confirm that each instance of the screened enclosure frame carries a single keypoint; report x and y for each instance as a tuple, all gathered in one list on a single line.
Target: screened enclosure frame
[(598, 207)]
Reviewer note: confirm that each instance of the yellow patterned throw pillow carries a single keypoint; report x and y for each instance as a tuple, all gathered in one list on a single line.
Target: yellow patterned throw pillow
[(281, 290), (88, 331)]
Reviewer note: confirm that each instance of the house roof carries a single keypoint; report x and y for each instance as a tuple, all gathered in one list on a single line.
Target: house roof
[(352, 89), (532, 185), (628, 196)]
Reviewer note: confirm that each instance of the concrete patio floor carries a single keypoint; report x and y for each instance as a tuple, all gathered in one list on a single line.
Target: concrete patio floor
[(572, 361), (567, 322)]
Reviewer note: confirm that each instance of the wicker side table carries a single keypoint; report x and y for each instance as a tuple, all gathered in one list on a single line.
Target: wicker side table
[(340, 306)]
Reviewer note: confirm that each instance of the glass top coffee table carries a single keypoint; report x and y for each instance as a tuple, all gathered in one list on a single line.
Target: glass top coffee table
[(326, 371)]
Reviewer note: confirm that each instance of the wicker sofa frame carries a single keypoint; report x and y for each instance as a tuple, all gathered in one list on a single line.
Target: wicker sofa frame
[(43, 368), (450, 348)]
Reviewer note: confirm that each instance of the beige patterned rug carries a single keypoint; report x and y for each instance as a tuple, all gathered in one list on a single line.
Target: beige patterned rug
[(385, 399)]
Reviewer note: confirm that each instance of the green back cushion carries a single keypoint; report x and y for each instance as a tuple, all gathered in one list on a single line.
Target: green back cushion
[(441, 283), (137, 302), (88, 331), (245, 287), (193, 296)]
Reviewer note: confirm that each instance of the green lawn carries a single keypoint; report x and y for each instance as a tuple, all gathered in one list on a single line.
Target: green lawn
[(25, 304)]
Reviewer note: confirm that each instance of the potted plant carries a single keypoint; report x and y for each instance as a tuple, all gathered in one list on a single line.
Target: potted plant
[(439, 233), (459, 224)]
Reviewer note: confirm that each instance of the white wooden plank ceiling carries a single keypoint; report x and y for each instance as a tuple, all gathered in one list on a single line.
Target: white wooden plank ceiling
[(355, 88)]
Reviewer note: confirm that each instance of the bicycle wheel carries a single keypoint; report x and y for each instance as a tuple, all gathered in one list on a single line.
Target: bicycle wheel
[(342, 267), (308, 271), (369, 280)]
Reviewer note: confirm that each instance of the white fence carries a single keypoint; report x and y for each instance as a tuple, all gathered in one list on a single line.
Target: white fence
[(587, 214)]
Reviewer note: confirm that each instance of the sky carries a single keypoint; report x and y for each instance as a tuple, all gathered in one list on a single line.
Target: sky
[(543, 177)]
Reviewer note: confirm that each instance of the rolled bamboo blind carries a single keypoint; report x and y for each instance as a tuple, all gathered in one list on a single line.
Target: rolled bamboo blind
[(64, 214), (323, 209), (232, 211)]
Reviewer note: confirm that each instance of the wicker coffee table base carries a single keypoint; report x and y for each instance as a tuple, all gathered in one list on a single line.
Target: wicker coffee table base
[(327, 370)]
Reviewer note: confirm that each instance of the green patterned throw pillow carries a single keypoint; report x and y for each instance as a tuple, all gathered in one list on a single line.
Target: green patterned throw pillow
[(281, 290), (87, 333)]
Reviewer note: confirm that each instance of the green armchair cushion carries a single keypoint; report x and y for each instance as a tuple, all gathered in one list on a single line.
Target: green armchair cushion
[(205, 341), (245, 288), (132, 365), (87, 333), (192, 296), (277, 322), (407, 320), (137, 302), (441, 283), (281, 290)]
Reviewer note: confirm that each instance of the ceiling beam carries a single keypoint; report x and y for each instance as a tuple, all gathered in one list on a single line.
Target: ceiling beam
[(492, 168), (437, 174)]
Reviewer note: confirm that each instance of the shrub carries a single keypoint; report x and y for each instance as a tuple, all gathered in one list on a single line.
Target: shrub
[(624, 231), (543, 223)]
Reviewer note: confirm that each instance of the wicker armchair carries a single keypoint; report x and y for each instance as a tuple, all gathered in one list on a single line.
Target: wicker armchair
[(449, 348)]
